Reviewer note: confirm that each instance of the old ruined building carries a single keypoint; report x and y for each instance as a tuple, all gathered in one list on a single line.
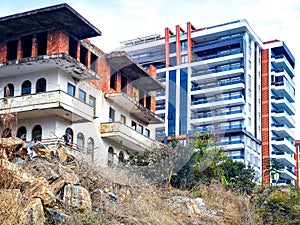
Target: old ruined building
[(60, 87)]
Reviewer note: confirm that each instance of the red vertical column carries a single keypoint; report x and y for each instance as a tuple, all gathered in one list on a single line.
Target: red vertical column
[(296, 157), (19, 49), (265, 116), (168, 32), (190, 27), (178, 45), (3, 52), (34, 46)]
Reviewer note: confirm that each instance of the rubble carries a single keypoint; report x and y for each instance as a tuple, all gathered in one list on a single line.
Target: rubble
[(77, 196)]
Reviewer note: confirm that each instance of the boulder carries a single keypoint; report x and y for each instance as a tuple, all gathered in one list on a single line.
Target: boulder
[(33, 213), (77, 196), (62, 154), (68, 175), (57, 216), (10, 205)]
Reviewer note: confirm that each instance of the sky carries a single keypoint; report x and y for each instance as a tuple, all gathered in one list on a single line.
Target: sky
[(121, 20)]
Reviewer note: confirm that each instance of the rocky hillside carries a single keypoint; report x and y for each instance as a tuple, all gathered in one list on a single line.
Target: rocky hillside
[(55, 184)]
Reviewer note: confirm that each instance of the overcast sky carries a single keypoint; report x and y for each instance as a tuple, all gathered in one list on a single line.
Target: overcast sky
[(121, 20)]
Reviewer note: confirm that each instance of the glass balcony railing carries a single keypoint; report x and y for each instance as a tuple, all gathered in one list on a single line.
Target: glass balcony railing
[(216, 114), (216, 129), (217, 70), (216, 56), (204, 101), (217, 85), (199, 46), (232, 142), (160, 55), (160, 107)]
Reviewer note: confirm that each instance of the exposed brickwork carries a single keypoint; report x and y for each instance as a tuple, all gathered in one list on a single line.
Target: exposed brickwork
[(153, 104), (57, 42), (34, 46), (265, 115), (78, 51), (88, 59), (152, 71), (296, 157), (3, 52)]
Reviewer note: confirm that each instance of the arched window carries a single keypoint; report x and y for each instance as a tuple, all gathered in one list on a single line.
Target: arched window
[(21, 133), (37, 133), (26, 87), (80, 141), (110, 159), (6, 133), (9, 90), (121, 156), (40, 85), (90, 145), (68, 136)]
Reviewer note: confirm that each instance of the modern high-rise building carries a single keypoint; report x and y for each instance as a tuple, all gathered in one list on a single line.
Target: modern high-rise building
[(213, 80)]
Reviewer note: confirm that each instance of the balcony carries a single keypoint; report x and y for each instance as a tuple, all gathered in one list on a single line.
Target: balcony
[(283, 144), (282, 117), (204, 104), (282, 130), (150, 57), (280, 61), (136, 109), (46, 104), (204, 119), (45, 62), (285, 89), (283, 158), (283, 73), (214, 74), (287, 173), (218, 88), (219, 129), (283, 103), (233, 145), (121, 134)]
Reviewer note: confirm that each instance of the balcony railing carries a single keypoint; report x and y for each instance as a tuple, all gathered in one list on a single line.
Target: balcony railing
[(217, 70), (283, 101), (232, 142), (204, 101), (217, 85), (199, 46), (216, 56), (216, 114)]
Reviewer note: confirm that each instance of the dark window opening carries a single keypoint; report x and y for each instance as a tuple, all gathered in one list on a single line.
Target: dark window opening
[(123, 84), (12, 48), (6, 133), (133, 125), (37, 133), (71, 89), (9, 90), (26, 46), (142, 99), (93, 62), (110, 159), (83, 55), (73, 47), (90, 145), (111, 115), (121, 156), (148, 102), (41, 40), (21, 133), (113, 81), (41, 85), (26, 87), (68, 136)]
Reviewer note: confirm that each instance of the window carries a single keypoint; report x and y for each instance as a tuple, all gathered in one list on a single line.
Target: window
[(21, 133), (9, 90), (12, 48), (68, 136), (37, 133), (123, 119), (71, 89), (111, 115), (133, 125), (26, 87), (82, 95), (92, 102), (40, 85), (140, 129), (110, 158), (113, 81), (80, 141), (90, 145), (121, 156), (147, 132)]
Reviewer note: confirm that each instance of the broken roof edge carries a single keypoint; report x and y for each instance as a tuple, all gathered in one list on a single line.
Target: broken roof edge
[(52, 8)]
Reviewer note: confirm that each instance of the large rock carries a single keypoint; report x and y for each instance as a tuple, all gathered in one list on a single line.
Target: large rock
[(68, 175), (10, 205), (77, 196), (62, 154), (33, 213), (43, 151)]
